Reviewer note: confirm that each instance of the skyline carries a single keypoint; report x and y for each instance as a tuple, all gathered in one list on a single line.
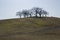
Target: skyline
[(8, 8)]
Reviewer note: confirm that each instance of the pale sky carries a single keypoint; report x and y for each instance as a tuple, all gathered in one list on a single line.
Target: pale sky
[(8, 8)]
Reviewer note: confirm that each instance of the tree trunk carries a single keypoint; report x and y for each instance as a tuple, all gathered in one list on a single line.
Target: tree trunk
[(36, 15), (19, 16), (30, 15), (24, 16), (40, 15)]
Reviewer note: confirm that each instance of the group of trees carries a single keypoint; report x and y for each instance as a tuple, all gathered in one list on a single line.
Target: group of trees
[(34, 12)]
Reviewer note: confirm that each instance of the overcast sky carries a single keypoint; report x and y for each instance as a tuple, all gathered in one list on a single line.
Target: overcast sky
[(8, 8)]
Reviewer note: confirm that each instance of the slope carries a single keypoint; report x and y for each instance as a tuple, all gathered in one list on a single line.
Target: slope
[(30, 29)]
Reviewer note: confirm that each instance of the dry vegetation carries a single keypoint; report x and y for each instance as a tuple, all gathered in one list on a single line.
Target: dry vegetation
[(30, 29)]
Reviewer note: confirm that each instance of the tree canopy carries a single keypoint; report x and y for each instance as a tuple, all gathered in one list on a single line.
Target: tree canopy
[(34, 12)]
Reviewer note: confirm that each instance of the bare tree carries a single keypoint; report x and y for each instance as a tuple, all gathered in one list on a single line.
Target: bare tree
[(19, 14), (45, 12), (25, 13), (30, 13), (37, 10), (40, 12)]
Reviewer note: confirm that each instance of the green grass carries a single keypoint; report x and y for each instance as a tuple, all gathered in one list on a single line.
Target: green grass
[(30, 29)]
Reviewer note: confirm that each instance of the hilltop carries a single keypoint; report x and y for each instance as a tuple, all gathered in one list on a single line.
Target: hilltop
[(30, 29)]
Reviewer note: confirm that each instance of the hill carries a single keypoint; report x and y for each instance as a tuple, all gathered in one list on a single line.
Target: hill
[(30, 29)]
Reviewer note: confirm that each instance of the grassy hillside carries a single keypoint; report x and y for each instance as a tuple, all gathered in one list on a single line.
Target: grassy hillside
[(30, 29)]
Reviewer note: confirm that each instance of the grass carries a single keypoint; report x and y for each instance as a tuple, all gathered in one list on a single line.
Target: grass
[(30, 29)]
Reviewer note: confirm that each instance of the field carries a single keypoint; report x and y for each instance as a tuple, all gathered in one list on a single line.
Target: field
[(30, 29)]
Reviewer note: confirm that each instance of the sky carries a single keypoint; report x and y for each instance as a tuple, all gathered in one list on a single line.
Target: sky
[(8, 8)]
